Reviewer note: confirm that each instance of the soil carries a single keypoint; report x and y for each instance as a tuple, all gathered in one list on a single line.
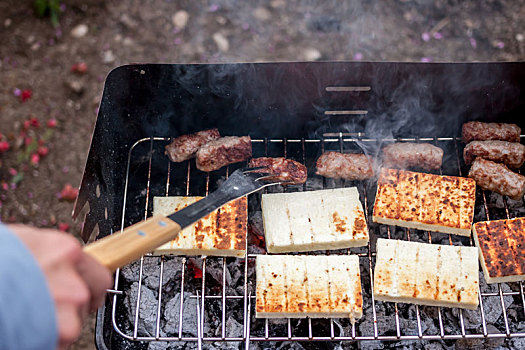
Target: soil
[(38, 57)]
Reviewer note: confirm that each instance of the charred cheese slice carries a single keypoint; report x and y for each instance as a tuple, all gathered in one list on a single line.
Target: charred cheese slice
[(501, 245), (426, 274), (425, 201), (220, 233), (315, 286), (313, 220)]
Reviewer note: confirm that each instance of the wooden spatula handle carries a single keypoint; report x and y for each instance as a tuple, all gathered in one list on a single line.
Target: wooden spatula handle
[(120, 249)]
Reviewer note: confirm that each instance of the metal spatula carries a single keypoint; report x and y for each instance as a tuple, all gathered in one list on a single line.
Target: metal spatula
[(120, 249)]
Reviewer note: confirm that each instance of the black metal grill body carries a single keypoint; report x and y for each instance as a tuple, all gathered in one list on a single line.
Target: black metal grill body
[(298, 108)]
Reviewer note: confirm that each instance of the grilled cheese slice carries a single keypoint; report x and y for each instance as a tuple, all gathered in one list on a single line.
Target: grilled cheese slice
[(426, 274), (425, 201), (313, 220), (308, 286), (220, 233), (501, 249)]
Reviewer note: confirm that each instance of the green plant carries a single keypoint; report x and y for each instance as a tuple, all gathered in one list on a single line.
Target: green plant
[(49, 8)]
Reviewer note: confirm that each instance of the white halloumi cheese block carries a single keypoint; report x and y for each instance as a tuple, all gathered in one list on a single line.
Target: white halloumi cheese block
[(426, 274), (425, 201), (313, 220), (220, 233), (316, 286)]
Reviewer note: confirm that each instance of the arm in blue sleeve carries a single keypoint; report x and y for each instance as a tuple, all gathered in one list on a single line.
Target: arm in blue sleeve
[(27, 310)]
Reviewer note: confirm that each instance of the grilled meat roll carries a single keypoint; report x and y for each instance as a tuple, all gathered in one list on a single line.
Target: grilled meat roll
[(224, 151), (286, 170), (344, 166), (497, 178), (479, 131), (407, 154), (186, 146), (511, 154)]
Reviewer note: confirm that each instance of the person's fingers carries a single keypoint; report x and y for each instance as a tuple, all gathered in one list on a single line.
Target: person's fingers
[(69, 324), (97, 277)]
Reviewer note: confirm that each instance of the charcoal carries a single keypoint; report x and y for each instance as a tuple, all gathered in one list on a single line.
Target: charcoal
[(491, 306), (518, 343), (171, 316), (151, 272), (147, 311), (215, 270), (434, 345), (232, 329), (371, 345)]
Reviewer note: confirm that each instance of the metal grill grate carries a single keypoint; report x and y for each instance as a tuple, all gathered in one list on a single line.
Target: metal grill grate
[(303, 150)]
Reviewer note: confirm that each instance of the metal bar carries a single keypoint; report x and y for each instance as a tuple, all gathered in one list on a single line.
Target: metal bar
[(181, 303), (199, 319), (223, 330), (346, 112), (203, 288), (347, 88), (247, 333), (159, 301)]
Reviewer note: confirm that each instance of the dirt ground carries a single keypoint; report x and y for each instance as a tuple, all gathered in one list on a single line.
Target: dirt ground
[(39, 60)]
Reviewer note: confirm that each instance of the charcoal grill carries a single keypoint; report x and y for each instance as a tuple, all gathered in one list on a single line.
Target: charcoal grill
[(295, 110)]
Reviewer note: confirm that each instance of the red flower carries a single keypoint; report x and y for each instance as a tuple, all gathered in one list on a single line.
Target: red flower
[(4, 146), (80, 68), (28, 140), (51, 123), (26, 95), (27, 124), (42, 151), (68, 193), (35, 159), (34, 122), (63, 226)]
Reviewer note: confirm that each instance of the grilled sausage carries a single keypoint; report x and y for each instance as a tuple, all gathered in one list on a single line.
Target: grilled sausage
[(497, 178), (224, 151), (406, 155), (479, 131), (286, 170), (511, 154), (186, 146), (344, 166)]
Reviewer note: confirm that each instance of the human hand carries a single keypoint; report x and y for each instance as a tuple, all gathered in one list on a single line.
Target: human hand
[(76, 281)]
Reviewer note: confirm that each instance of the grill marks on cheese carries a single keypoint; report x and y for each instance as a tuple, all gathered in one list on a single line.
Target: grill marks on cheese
[(501, 246), (425, 201), (314, 220), (220, 233), (426, 274), (308, 286)]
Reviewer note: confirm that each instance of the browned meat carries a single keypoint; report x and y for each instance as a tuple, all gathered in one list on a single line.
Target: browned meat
[(286, 170), (221, 152), (511, 154), (186, 146), (406, 155), (497, 178), (344, 166), (479, 131)]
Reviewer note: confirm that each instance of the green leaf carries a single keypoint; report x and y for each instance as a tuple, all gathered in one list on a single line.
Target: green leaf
[(17, 178), (41, 7)]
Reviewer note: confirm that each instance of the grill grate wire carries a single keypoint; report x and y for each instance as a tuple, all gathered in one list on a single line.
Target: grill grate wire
[(247, 299)]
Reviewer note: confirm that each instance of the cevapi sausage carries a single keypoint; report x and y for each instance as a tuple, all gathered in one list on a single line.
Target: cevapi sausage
[(407, 155), (344, 166), (186, 146), (285, 170), (224, 151), (497, 178), (512, 154), (479, 131)]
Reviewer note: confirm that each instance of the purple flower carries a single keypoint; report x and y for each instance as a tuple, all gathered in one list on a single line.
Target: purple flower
[(426, 59), (438, 36), (500, 45), (62, 7), (358, 56), (425, 36), (473, 42), (29, 194), (213, 7), (17, 92), (177, 41), (65, 169), (245, 26)]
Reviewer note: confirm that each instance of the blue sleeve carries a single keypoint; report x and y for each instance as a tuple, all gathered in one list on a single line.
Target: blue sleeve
[(27, 310)]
